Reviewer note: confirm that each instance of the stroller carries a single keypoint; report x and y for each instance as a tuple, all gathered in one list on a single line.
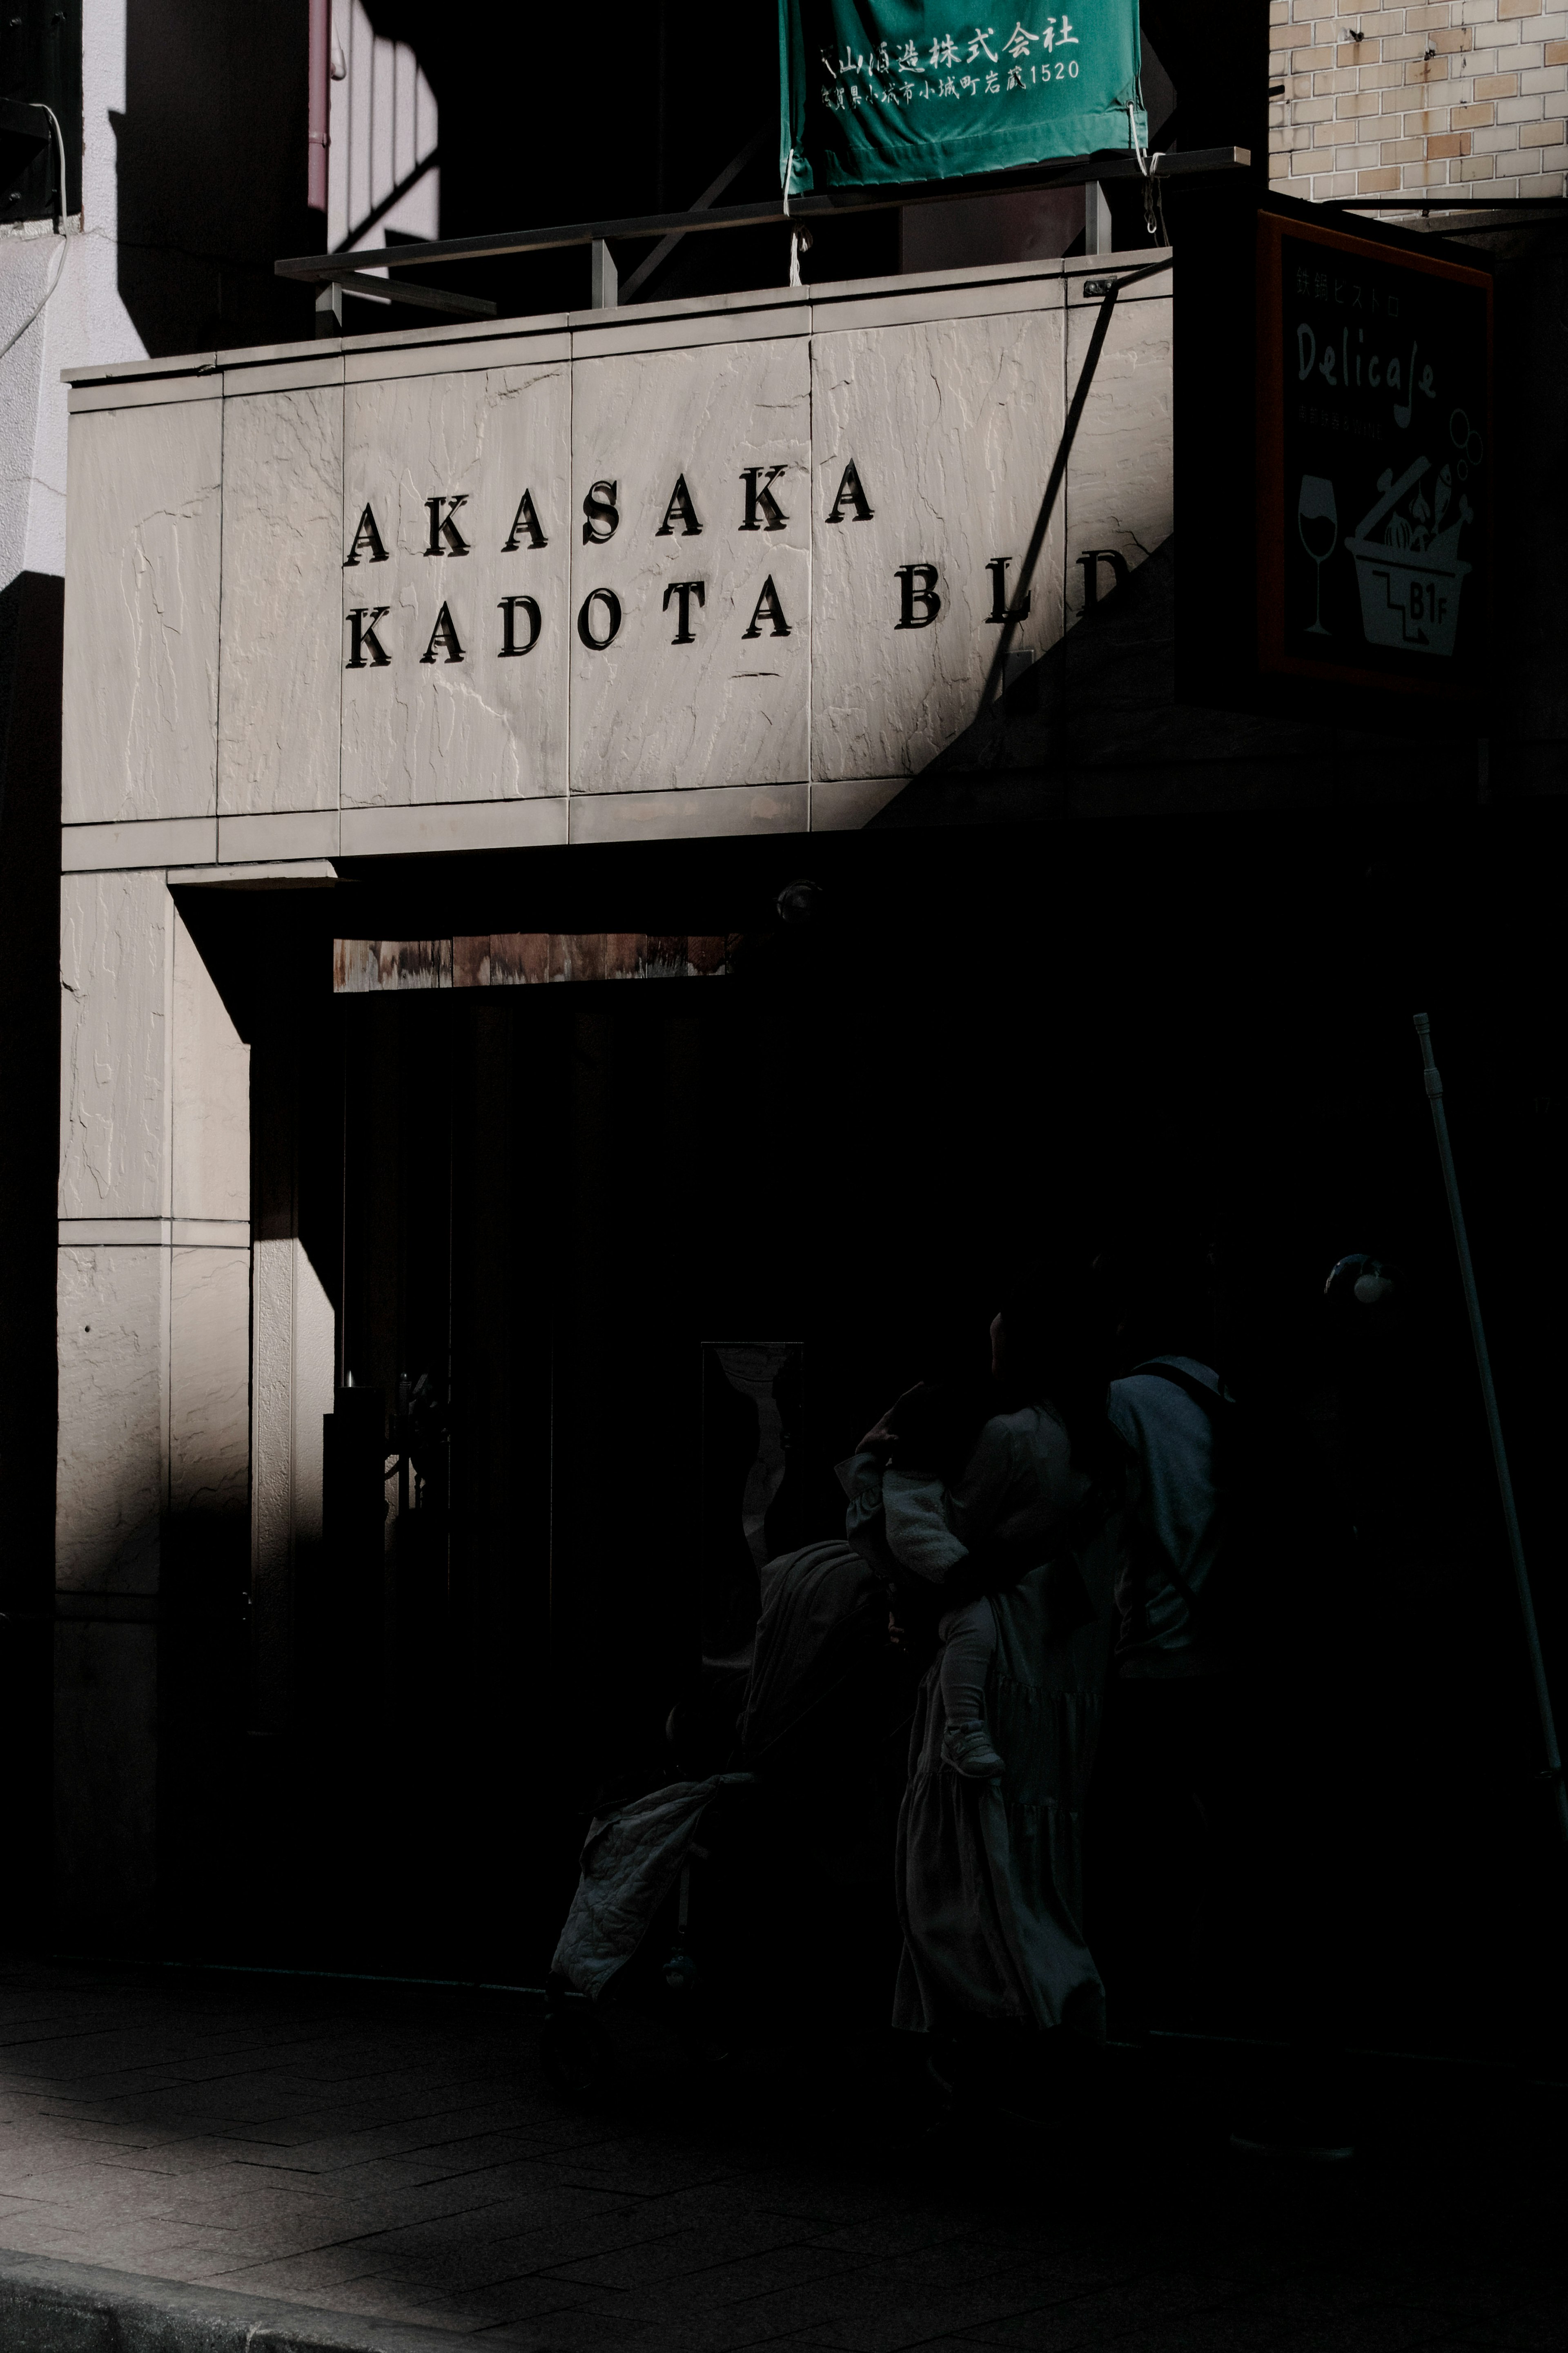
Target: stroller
[(761, 1890)]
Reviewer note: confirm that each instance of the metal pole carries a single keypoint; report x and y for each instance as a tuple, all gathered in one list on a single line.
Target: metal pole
[(1494, 1427), (319, 101)]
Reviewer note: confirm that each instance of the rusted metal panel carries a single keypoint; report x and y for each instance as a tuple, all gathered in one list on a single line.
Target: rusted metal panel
[(362, 967), (585, 956), (518, 958), (665, 956), (626, 955), (526, 959), (416, 963), (472, 961)]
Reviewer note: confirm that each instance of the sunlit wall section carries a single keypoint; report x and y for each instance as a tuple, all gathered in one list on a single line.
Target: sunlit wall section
[(383, 167)]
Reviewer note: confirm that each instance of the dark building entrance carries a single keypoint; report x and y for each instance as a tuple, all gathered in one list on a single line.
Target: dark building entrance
[(594, 1248)]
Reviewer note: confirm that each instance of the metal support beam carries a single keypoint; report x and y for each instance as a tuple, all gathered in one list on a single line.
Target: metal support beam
[(419, 297), (602, 280)]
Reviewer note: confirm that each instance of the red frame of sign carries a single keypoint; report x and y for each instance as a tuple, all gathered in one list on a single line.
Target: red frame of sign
[(1272, 230)]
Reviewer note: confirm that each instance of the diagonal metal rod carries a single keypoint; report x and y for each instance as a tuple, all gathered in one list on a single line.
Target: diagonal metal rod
[(1553, 1772), (710, 197), (318, 268), (1108, 288)]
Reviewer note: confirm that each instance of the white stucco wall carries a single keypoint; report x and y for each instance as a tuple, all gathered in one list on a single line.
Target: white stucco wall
[(83, 315)]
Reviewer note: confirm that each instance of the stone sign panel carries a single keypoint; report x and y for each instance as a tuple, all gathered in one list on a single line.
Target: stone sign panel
[(738, 565), (690, 631), (456, 569)]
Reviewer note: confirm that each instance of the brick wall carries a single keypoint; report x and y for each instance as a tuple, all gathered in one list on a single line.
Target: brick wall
[(1463, 93)]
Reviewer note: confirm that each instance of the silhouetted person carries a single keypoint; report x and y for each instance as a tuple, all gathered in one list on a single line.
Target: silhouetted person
[(1162, 1798)]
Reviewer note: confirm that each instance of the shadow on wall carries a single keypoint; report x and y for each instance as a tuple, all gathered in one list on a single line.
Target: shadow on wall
[(1096, 726), (212, 172), (30, 638)]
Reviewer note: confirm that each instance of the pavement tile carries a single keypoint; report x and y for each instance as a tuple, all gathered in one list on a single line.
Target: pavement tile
[(742, 2289), (499, 2296), (1093, 2315), (497, 2253), (1456, 2297), (869, 2309), (306, 2277), (690, 2254), (526, 2243), (1541, 2328), (400, 2158), (569, 2331), (622, 2319)]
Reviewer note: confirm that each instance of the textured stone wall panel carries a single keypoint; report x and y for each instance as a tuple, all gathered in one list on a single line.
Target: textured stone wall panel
[(115, 974), (282, 600), (209, 1381), (954, 424), (951, 427), (1119, 484), (271, 1472), (114, 1425), (484, 727), (293, 1369), (210, 1080), (142, 613), (648, 715)]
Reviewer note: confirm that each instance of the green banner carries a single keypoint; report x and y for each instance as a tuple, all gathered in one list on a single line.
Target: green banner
[(879, 90)]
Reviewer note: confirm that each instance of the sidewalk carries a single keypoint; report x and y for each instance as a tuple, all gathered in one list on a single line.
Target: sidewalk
[(213, 2161)]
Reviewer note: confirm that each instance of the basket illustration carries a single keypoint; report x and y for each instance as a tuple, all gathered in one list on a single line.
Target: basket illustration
[(1410, 577)]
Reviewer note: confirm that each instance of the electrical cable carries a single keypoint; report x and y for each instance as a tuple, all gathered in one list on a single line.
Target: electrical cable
[(63, 233), (1153, 195), (39, 106)]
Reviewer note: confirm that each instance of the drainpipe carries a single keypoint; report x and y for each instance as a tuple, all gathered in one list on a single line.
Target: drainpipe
[(319, 101)]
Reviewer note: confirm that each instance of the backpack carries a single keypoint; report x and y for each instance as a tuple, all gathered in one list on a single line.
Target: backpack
[(1281, 1527)]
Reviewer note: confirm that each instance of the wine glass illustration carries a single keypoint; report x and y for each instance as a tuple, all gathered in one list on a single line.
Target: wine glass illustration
[(1318, 520)]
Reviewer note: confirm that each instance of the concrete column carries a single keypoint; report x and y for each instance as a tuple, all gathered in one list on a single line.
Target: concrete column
[(153, 1463), (293, 1340)]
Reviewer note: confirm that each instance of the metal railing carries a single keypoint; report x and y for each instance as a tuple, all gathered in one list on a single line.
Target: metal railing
[(345, 269)]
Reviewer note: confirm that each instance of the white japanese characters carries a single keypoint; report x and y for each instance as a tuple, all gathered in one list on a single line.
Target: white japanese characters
[(890, 76)]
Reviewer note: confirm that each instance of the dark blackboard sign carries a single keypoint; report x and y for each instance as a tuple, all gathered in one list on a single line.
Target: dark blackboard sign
[(1375, 462)]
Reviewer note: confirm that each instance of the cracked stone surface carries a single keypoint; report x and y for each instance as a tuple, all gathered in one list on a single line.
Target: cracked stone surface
[(283, 567), (952, 426), (142, 612), (1119, 485), (115, 955), (648, 715), (954, 422), (485, 727), (209, 1082), (113, 1376), (209, 1381)]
